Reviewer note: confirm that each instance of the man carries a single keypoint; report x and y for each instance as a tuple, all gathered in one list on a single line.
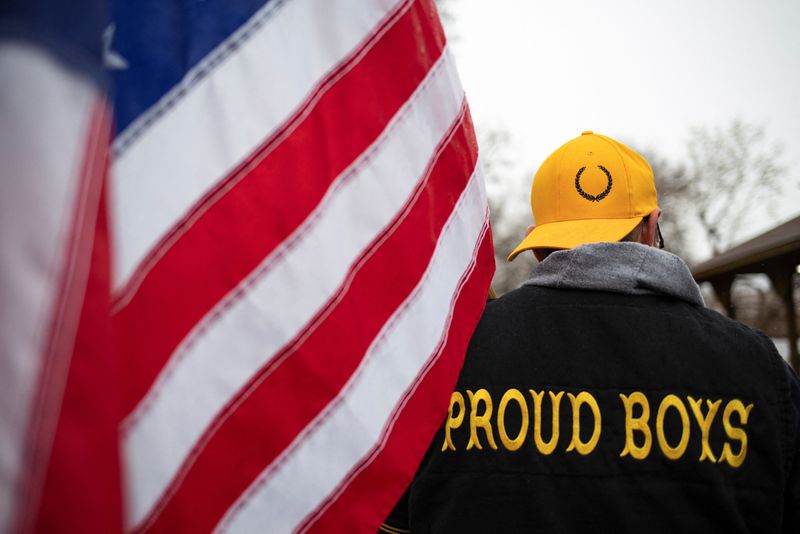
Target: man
[(602, 395)]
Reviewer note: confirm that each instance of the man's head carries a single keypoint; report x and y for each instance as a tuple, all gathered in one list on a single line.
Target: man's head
[(591, 189)]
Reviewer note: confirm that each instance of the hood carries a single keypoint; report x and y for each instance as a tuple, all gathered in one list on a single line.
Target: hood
[(627, 268)]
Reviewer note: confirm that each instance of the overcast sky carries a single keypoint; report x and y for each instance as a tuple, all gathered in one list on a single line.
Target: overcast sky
[(641, 71)]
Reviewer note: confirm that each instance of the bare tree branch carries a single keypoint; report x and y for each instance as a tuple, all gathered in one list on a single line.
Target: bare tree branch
[(711, 196)]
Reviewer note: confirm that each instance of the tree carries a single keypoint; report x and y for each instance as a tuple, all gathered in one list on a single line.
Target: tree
[(508, 203), (672, 183), (731, 175)]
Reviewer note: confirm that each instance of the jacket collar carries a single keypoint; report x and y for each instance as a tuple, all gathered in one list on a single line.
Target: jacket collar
[(627, 268)]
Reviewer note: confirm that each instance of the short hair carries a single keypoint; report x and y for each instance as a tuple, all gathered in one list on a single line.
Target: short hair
[(634, 234)]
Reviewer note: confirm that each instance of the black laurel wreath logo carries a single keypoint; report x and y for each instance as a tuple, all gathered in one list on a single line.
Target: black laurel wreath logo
[(587, 196)]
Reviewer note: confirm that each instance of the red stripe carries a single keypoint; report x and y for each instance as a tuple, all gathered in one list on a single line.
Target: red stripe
[(82, 490), (369, 497), (286, 396), (276, 190)]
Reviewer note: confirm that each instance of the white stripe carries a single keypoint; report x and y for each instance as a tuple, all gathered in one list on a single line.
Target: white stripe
[(216, 361), (297, 483), (45, 111), (227, 115)]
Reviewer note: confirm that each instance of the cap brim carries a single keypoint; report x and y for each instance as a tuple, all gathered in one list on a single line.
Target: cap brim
[(570, 234)]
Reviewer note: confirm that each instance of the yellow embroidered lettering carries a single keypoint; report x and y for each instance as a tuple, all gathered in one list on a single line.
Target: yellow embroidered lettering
[(516, 443), (672, 401), (453, 422), (738, 407), (636, 424), (480, 421), (705, 424), (545, 447), (576, 444)]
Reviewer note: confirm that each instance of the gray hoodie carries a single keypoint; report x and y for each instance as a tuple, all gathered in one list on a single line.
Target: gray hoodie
[(627, 268)]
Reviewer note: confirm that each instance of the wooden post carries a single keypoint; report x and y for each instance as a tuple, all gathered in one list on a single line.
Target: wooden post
[(782, 277), (722, 288)]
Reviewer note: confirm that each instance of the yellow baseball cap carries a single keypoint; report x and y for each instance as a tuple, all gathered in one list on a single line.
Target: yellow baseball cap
[(591, 189)]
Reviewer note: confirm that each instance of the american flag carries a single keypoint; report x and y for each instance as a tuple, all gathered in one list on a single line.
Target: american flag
[(301, 250)]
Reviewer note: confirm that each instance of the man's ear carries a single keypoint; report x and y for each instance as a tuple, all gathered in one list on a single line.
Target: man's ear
[(648, 234)]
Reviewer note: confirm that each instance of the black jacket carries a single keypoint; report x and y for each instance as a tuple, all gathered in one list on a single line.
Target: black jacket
[(672, 418)]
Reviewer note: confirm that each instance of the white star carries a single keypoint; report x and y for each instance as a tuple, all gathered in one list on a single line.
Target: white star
[(111, 59)]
